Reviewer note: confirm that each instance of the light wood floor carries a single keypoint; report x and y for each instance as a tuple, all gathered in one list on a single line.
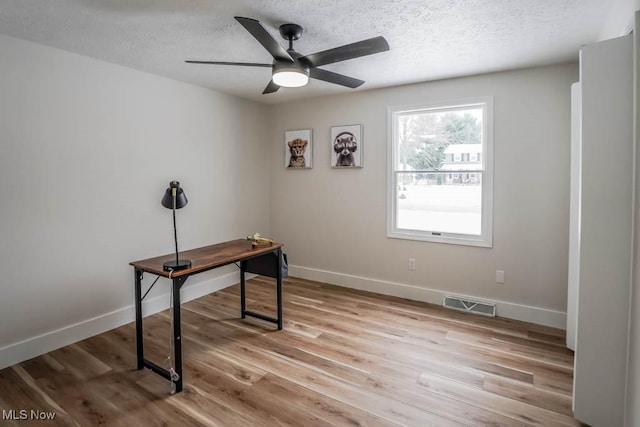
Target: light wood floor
[(344, 358)]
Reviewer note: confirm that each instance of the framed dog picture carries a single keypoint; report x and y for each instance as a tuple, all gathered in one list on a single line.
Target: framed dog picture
[(298, 149), (346, 146)]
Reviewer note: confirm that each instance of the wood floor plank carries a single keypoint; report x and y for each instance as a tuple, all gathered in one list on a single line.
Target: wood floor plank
[(21, 393), (106, 348), (81, 399), (527, 351), (401, 380), (345, 357), (79, 362), (330, 410), (556, 402), (506, 406), (392, 410)]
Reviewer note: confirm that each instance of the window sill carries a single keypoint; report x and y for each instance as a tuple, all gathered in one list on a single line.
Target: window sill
[(449, 239)]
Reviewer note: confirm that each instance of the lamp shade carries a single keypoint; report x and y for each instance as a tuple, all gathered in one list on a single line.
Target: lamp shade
[(286, 74), (181, 198), (292, 78)]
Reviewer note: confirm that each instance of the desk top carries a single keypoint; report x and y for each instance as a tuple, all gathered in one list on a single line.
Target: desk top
[(206, 257)]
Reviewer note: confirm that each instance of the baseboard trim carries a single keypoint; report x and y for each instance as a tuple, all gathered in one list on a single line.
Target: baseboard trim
[(41, 344), (538, 315)]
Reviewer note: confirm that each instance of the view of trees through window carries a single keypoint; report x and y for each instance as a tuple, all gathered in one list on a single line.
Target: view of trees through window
[(438, 170), (424, 137)]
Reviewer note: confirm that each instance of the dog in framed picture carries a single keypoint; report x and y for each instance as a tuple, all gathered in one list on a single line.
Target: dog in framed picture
[(297, 148), (344, 145)]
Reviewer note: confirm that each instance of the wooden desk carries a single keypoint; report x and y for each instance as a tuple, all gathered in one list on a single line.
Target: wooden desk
[(202, 259)]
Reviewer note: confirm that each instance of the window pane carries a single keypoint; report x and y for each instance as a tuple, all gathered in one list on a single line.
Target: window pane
[(439, 202), (439, 140)]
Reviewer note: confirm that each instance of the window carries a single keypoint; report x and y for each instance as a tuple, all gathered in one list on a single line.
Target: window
[(432, 194)]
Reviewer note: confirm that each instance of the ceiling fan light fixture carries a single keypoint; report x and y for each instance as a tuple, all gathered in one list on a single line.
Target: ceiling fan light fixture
[(290, 76), (290, 79), (292, 69)]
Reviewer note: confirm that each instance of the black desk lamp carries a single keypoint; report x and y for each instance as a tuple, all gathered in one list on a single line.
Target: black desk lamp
[(174, 198)]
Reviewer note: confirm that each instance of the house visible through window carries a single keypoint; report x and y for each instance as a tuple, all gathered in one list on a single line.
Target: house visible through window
[(440, 172)]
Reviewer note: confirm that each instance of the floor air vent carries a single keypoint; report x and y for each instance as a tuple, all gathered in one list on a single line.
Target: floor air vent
[(471, 306)]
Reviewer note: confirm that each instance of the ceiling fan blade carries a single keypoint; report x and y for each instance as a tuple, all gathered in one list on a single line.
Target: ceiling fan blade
[(271, 87), (349, 51), (246, 64), (264, 38), (331, 77)]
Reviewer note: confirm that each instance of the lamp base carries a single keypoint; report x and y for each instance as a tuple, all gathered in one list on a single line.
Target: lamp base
[(181, 264)]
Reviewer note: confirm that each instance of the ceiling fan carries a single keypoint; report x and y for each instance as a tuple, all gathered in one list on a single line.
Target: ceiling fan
[(292, 69)]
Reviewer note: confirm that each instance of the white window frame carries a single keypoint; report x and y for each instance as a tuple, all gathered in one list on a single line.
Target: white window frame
[(485, 239)]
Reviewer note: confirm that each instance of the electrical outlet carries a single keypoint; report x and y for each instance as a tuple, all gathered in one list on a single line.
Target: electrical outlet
[(412, 264), (499, 276)]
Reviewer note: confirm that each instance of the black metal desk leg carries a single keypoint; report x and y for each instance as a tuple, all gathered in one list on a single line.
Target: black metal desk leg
[(177, 337), (138, 292), (243, 294), (279, 286)]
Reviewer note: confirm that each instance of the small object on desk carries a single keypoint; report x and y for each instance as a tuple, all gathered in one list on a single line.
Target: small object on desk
[(256, 240)]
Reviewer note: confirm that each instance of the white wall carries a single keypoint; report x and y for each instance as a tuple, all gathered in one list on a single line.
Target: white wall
[(633, 374), (88, 149), (334, 221)]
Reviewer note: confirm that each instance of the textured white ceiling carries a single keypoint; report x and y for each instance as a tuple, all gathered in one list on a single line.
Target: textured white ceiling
[(429, 40)]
